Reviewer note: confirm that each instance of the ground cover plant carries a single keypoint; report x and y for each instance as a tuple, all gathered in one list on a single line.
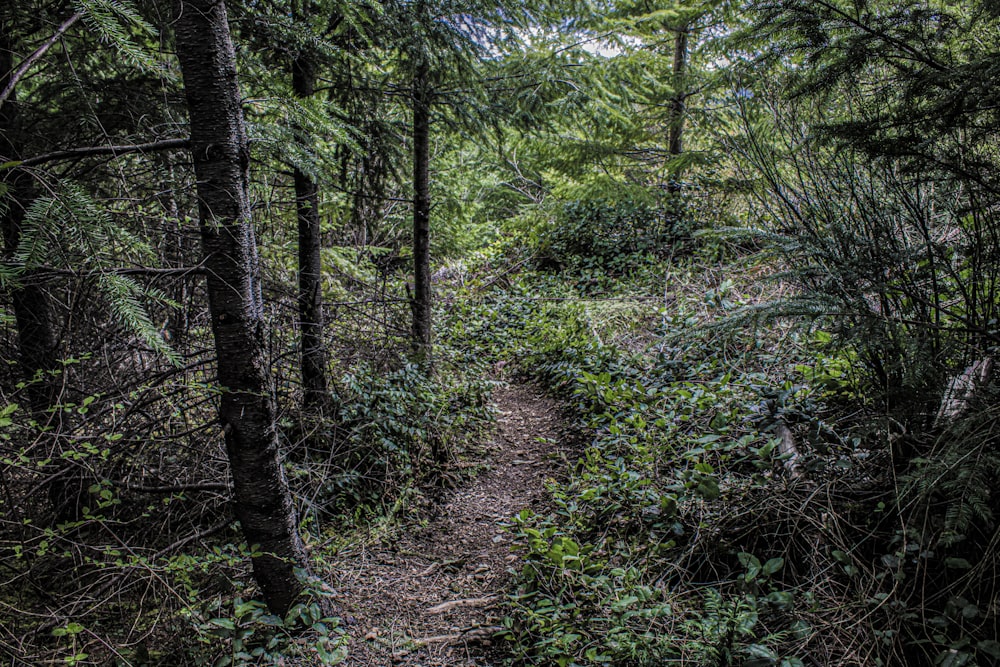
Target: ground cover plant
[(688, 530)]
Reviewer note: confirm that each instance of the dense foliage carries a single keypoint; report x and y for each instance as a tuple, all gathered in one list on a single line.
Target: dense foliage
[(753, 247)]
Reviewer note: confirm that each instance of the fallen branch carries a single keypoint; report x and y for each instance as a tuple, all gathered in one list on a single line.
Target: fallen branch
[(179, 488), (473, 633), (447, 565), (431, 569), (424, 641), (114, 151)]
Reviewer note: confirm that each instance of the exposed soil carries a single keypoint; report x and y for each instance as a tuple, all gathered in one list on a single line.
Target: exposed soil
[(428, 595)]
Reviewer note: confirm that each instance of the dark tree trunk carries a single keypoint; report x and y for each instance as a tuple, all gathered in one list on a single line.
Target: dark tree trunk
[(675, 145), (310, 263), (32, 312), (176, 256), (33, 317), (247, 412), (421, 297)]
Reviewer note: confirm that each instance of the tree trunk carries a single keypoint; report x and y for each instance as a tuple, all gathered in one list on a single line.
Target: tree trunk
[(176, 256), (421, 297), (310, 263), (221, 155), (962, 390), (36, 339), (32, 313), (675, 135)]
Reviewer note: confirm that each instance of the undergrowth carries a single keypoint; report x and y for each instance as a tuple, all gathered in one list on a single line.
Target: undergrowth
[(150, 569), (684, 535)]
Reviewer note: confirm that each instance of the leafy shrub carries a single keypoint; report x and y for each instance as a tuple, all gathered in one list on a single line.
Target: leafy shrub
[(904, 270), (391, 428), (247, 634), (609, 234)]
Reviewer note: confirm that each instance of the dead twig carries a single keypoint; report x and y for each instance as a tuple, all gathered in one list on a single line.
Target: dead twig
[(468, 602)]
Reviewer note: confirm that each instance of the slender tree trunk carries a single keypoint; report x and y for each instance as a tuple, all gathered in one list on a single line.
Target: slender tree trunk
[(247, 412), (33, 317), (421, 297), (32, 312), (675, 145), (176, 256), (310, 264)]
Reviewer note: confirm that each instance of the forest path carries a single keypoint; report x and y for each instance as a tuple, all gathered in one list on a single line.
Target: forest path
[(428, 596)]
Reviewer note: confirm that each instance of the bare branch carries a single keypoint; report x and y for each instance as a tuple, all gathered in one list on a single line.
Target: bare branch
[(43, 273), (469, 602), (180, 488), (788, 450), (39, 52), (115, 151)]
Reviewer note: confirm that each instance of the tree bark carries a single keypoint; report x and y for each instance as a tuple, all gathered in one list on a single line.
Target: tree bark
[(311, 320), (32, 311), (675, 132), (36, 339), (420, 301), (247, 411)]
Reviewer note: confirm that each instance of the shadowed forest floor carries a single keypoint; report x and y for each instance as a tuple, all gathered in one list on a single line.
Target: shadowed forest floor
[(428, 594)]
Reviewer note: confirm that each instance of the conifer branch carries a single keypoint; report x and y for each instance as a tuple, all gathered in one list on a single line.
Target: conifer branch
[(43, 273)]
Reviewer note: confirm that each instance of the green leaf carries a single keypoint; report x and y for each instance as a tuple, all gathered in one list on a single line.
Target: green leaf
[(759, 651), (990, 647), (271, 620), (952, 658), (840, 556), (751, 563), (773, 565), (226, 623), (707, 488)]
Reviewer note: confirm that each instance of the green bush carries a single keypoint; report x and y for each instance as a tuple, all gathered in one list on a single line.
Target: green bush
[(609, 233), (391, 428), (597, 585), (242, 632)]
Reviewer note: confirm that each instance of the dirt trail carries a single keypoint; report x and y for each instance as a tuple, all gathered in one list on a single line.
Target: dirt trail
[(429, 597)]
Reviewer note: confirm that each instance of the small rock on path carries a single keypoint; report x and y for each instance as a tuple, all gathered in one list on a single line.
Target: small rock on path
[(430, 598)]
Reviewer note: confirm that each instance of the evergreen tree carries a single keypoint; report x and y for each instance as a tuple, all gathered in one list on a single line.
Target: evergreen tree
[(247, 411), (310, 297), (442, 48)]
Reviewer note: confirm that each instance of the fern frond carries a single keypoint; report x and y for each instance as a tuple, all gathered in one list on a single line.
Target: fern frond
[(959, 477)]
